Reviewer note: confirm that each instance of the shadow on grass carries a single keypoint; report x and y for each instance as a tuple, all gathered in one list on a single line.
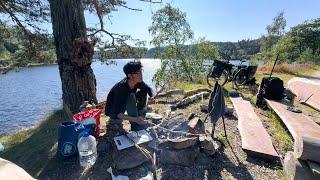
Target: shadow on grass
[(33, 149)]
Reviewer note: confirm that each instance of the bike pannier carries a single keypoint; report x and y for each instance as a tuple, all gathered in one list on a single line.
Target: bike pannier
[(218, 67)]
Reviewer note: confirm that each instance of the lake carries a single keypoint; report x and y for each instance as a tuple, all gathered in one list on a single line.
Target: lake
[(29, 95)]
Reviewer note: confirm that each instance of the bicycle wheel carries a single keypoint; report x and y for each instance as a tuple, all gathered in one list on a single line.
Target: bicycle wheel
[(240, 78), (221, 80)]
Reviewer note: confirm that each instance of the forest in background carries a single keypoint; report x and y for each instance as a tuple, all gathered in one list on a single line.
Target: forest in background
[(300, 44)]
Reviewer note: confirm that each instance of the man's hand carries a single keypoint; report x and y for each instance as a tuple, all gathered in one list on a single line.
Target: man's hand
[(151, 101), (141, 121)]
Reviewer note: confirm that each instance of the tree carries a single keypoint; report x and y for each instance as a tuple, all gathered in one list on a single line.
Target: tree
[(171, 31), (78, 80), (73, 41), (274, 33), (307, 35), (277, 28), (170, 28)]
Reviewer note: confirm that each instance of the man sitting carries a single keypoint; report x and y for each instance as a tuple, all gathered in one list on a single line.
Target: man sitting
[(130, 94)]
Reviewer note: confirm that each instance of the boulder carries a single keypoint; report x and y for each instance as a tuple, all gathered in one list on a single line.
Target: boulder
[(179, 143), (129, 158), (209, 145), (184, 157)]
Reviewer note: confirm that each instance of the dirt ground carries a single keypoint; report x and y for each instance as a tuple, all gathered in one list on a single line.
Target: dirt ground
[(230, 162)]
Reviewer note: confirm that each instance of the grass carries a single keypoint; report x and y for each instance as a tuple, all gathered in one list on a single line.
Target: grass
[(285, 72), (280, 134), (187, 86), (34, 148)]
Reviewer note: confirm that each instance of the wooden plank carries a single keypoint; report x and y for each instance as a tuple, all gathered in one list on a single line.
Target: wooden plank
[(298, 124), (254, 137), (307, 91), (315, 167)]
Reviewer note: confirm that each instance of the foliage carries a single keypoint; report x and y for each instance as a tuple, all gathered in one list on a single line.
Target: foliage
[(243, 49), (300, 44), (171, 30), (14, 49), (29, 16), (274, 33), (278, 25)]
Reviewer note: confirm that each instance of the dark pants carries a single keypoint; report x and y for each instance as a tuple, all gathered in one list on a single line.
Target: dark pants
[(137, 106)]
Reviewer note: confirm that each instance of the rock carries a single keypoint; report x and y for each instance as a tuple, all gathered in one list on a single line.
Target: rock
[(184, 157), (129, 158), (204, 108), (228, 110), (209, 145), (178, 143)]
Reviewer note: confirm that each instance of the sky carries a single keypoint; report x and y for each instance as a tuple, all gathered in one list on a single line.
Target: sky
[(216, 20)]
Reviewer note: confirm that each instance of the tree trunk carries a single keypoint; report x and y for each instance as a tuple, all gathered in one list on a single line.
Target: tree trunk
[(68, 23)]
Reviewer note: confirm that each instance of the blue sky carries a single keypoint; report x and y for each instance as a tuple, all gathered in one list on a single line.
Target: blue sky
[(217, 20)]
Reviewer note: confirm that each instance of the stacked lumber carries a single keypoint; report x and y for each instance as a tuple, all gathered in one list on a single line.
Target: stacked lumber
[(303, 163)]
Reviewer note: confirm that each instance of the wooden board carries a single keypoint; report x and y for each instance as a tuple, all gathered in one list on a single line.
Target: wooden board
[(298, 124), (307, 91), (254, 137)]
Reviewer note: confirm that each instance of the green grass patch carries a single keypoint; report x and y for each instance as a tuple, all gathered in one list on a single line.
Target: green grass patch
[(33, 149), (187, 86), (280, 135)]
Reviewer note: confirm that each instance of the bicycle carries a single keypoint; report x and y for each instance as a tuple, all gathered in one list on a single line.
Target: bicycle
[(223, 72)]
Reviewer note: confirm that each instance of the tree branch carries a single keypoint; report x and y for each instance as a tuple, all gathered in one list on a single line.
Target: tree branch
[(122, 5), (152, 1), (100, 16), (17, 21)]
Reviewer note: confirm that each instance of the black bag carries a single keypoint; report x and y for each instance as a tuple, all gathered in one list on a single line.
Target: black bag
[(273, 88), (270, 88)]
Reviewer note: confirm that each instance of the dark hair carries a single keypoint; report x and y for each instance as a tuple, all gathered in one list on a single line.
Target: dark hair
[(132, 67)]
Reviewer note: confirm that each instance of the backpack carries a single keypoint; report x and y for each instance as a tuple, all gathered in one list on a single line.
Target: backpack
[(273, 88)]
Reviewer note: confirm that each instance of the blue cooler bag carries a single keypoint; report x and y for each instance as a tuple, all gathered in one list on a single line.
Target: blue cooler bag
[(68, 138)]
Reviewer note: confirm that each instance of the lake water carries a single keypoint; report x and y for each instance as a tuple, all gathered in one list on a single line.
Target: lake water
[(29, 95)]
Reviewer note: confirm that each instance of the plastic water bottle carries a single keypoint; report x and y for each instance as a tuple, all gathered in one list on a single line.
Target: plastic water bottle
[(87, 147)]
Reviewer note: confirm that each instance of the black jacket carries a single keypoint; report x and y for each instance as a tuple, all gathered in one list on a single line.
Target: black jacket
[(117, 97)]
